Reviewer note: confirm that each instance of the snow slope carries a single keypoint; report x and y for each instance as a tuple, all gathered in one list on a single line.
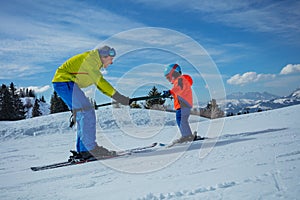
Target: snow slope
[(254, 156)]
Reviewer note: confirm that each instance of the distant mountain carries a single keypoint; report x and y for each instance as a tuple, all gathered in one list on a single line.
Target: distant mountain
[(252, 96), (295, 95), (280, 102), (239, 103)]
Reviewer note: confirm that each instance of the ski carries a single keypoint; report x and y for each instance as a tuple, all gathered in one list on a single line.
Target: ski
[(197, 138), (139, 149), (78, 161)]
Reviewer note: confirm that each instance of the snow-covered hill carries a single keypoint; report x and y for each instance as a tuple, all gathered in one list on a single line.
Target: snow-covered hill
[(254, 156)]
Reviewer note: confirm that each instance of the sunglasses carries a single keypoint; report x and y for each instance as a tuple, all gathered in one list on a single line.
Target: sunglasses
[(112, 52), (105, 52)]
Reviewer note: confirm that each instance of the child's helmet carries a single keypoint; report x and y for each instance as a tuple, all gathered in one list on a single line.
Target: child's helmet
[(170, 69)]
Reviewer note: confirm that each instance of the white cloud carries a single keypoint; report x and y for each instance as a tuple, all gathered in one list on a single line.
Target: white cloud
[(39, 89), (12, 71), (249, 77), (290, 69)]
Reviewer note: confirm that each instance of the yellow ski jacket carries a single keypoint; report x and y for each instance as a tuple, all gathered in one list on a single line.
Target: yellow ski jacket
[(84, 70)]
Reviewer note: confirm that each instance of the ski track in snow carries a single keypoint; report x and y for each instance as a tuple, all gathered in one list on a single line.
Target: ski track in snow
[(257, 156)]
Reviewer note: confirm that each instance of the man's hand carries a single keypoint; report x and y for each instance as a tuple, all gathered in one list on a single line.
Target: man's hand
[(122, 99)]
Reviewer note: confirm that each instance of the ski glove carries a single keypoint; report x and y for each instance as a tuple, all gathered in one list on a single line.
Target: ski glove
[(121, 99), (166, 94)]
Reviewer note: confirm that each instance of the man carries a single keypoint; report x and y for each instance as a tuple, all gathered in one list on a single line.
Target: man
[(183, 100), (78, 72)]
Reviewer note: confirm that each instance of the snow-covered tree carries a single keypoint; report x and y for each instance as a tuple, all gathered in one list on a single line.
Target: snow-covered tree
[(36, 109)]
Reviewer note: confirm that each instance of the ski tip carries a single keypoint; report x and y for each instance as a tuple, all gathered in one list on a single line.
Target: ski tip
[(34, 168), (202, 138)]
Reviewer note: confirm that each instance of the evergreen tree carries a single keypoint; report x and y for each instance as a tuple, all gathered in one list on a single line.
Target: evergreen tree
[(22, 93), (12, 89), (31, 93), (36, 109), (57, 104), (11, 107), (26, 93), (19, 109), (63, 106), (6, 111), (151, 102), (42, 99), (1, 100)]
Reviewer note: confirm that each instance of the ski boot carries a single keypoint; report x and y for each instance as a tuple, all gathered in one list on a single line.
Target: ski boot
[(98, 152), (75, 156)]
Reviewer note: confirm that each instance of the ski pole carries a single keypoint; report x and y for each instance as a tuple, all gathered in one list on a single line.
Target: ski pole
[(134, 99)]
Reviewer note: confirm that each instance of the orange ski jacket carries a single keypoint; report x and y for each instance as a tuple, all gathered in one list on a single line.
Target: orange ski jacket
[(182, 92)]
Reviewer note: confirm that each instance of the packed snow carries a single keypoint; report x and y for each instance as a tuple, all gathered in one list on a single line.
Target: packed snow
[(252, 156)]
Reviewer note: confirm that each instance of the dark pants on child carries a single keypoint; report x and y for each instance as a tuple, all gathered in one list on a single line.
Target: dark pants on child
[(182, 117)]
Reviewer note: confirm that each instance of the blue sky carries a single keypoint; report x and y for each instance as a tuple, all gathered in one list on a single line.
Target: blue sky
[(226, 46)]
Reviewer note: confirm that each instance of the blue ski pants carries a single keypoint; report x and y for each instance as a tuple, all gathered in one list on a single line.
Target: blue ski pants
[(182, 117), (76, 100)]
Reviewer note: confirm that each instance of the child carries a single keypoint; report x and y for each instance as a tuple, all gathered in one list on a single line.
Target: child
[(183, 100)]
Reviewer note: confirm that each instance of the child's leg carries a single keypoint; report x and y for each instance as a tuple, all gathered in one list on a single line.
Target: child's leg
[(182, 116)]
